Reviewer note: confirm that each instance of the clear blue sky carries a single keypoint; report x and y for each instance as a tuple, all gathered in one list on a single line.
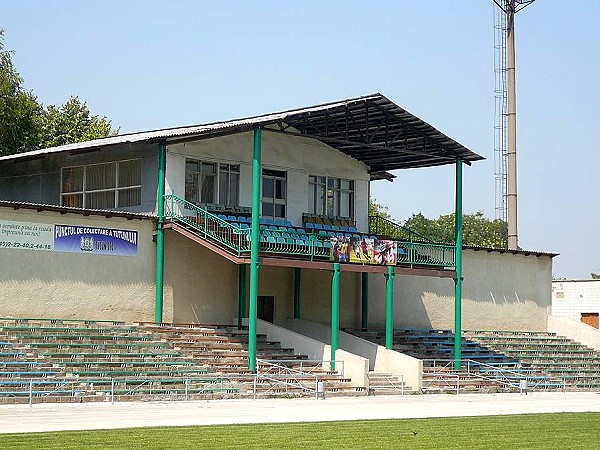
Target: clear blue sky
[(150, 64)]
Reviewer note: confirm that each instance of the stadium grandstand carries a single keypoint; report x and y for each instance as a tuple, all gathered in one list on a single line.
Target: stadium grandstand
[(238, 258)]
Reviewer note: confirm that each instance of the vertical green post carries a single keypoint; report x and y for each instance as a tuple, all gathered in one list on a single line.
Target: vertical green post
[(365, 300), (297, 291), (335, 311), (389, 307), (241, 294), (160, 232), (254, 243), (458, 233)]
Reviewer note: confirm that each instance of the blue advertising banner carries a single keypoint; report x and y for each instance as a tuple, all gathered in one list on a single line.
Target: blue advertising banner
[(96, 241)]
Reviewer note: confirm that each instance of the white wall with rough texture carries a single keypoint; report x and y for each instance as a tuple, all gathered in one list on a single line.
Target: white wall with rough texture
[(298, 156), (570, 298), (575, 330), (500, 291), (35, 283)]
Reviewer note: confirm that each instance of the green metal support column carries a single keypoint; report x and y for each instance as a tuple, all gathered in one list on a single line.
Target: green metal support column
[(335, 311), (160, 233), (297, 291), (458, 281), (254, 243), (389, 307), (365, 300), (241, 294)]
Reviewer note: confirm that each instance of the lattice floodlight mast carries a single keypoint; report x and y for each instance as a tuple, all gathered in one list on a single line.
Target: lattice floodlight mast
[(505, 143)]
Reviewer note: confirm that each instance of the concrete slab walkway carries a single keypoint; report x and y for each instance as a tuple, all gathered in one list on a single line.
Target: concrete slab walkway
[(88, 416)]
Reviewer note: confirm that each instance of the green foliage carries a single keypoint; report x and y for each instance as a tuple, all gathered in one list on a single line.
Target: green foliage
[(71, 122), (595, 276), (27, 125), (377, 209), (559, 431), (19, 109), (477, 229)]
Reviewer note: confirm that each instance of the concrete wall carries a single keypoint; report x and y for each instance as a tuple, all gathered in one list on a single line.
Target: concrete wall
[(37, 283), (353, 366), (500, 291), (571, 298), (380, 359), (38, 180), (298, 156), (574, 329)]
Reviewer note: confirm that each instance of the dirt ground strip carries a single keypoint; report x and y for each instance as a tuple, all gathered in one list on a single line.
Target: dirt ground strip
[(88, 416)]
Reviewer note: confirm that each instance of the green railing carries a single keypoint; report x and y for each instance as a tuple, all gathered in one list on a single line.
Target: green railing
[(207, 225), (236, 238), (413, 248)]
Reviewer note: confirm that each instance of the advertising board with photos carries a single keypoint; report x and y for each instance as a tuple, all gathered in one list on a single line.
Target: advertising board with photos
[(363, 251)]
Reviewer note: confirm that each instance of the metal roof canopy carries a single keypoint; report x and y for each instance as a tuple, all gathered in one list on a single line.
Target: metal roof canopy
[(371, 129)]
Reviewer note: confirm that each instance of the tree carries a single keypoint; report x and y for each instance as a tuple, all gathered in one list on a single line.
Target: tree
[(595, 276), (377, 209), (19, 110), (478, 230), (25, 124), (71, 122)]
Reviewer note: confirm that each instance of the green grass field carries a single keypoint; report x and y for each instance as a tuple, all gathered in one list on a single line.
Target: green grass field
[(535, 431)]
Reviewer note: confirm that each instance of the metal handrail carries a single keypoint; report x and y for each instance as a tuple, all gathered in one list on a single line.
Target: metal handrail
[(501, 374), (274, 370), (381, 226), (416, 251)]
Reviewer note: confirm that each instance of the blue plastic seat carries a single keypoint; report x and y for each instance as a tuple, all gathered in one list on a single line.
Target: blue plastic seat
[(309, 226), (244, 226), (273, 228), (280, 240), (271, 240), (269, 220), (336, 228), (326, 226), (323, 233), (232, 218), (300, 242), (331, 233), (318, 226), (344, 229), (222, 216), (352, 229), (282, 228), (278, 221), (300, 231), (287, 223), (318, 244), (242, 219)]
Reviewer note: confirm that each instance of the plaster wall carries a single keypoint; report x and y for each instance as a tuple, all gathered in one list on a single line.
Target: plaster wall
[(500, 291), (298, 156), (575, 330), (39, 180), (37, 283), (571, 298)]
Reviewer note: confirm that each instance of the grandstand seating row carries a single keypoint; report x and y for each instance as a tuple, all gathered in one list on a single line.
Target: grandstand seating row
[(65, 361)]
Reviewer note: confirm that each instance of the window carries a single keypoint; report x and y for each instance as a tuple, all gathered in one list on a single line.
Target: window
[(229, 182), (103, 186), (200, 182), (210, 182), (274, 193), (317, 194), (331, 196)]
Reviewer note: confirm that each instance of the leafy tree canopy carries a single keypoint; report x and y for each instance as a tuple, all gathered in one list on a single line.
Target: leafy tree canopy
[(28, 125), (478, 230)]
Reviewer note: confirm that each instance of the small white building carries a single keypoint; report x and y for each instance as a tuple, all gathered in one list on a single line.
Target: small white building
[(577, 299)]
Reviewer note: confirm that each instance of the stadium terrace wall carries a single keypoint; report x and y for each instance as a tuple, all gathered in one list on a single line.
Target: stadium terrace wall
[(45, 283), (500, 291)]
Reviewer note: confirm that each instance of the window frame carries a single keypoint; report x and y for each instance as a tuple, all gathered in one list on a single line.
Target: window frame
[(336, 205), (273, 200), (116, 189), (217, 184)]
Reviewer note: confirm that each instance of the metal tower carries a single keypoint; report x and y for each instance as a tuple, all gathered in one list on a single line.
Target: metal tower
[(505, 143)]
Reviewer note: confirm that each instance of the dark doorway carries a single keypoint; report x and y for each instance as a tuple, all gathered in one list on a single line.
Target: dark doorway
[(265, 308)]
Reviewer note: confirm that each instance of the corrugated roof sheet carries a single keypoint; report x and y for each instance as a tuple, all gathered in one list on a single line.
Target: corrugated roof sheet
[(371, 129)]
